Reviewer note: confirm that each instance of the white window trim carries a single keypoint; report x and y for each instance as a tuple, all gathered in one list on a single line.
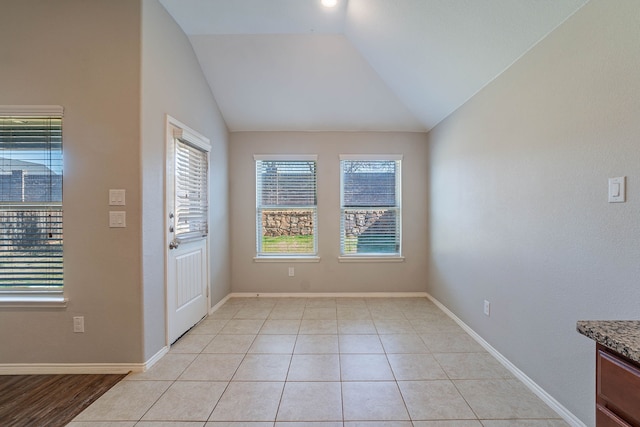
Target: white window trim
[(396, 257), (21, 300), (34, 299), (369, 258), (286, 157), (286, 258), (31, 110), (372, 157)]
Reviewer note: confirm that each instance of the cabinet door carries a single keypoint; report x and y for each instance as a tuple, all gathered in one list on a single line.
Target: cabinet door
[(605, 418), (618, 386)]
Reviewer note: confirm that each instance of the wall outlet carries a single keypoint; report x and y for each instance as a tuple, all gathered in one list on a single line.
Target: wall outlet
[(117, 197), (487, 308), (292, 272), (78, 324), (117, 219)]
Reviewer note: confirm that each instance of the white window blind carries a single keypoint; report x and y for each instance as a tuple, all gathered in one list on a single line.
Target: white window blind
[(191, 203), (370, 206), (31, 243), (286, 203)]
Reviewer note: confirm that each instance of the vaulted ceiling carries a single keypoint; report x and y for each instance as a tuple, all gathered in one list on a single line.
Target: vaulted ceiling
[(382, 65)]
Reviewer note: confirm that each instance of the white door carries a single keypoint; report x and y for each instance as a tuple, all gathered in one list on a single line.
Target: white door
[(186, 228)]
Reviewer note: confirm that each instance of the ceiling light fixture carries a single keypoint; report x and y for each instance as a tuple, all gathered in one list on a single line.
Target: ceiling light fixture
[(329, 3)]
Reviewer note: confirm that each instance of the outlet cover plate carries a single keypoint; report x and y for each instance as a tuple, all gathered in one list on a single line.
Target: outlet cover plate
[(78, 324), (117, 219), (617, 189)]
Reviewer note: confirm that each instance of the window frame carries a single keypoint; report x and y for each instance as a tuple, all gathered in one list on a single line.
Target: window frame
[(191, 214), (286, 256), (372, 257), (36, 295)]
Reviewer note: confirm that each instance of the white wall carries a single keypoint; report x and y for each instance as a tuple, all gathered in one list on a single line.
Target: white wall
[(173, 83), (328, 275), (84, 56), (519, 211)]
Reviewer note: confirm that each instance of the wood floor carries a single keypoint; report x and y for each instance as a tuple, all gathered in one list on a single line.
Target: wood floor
[(49, 400)]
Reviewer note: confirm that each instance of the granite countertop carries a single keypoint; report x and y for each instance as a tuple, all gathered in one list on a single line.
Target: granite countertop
[(621, 336)]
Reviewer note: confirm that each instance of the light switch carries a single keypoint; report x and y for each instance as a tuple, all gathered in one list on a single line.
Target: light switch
[(617, 189), (117, 219), (116, 197)]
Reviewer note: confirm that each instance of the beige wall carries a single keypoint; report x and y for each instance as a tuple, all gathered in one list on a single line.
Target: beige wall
[(173, 83), (117, 68), (328, 275), (519, 212), (84, 56)]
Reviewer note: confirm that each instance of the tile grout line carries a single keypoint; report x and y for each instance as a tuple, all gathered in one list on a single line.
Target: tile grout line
[(386, 351)]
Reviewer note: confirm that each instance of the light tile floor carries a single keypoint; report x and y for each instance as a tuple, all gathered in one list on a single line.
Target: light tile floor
[(323, 362)]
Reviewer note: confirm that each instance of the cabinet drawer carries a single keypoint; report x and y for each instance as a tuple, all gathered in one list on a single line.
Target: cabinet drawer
[(618, 386), (605, 418)]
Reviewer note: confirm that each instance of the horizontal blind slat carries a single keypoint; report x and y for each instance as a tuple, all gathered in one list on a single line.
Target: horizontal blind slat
[(370, 200), (31, 248), (286, 200), (191, 192), (31, 253)]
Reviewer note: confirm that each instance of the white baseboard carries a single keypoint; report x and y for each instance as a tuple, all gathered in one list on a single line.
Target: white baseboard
[(219, 304), (154, 359), (528, 382), (123, 368), (69, 368), (326, 295), (79, 368)]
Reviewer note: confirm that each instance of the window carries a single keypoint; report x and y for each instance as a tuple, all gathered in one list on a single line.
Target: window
[(31, 202), (286, 206), (191, 194), (370, 205)]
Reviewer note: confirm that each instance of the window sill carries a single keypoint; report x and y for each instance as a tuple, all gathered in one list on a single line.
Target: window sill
[(32, 302), (286, 259), (371, 259)]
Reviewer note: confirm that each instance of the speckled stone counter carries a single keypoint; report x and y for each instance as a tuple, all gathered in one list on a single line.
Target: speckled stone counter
[(621, 336)]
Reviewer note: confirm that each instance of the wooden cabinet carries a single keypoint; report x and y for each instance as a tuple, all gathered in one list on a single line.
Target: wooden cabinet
[(617, 390)]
